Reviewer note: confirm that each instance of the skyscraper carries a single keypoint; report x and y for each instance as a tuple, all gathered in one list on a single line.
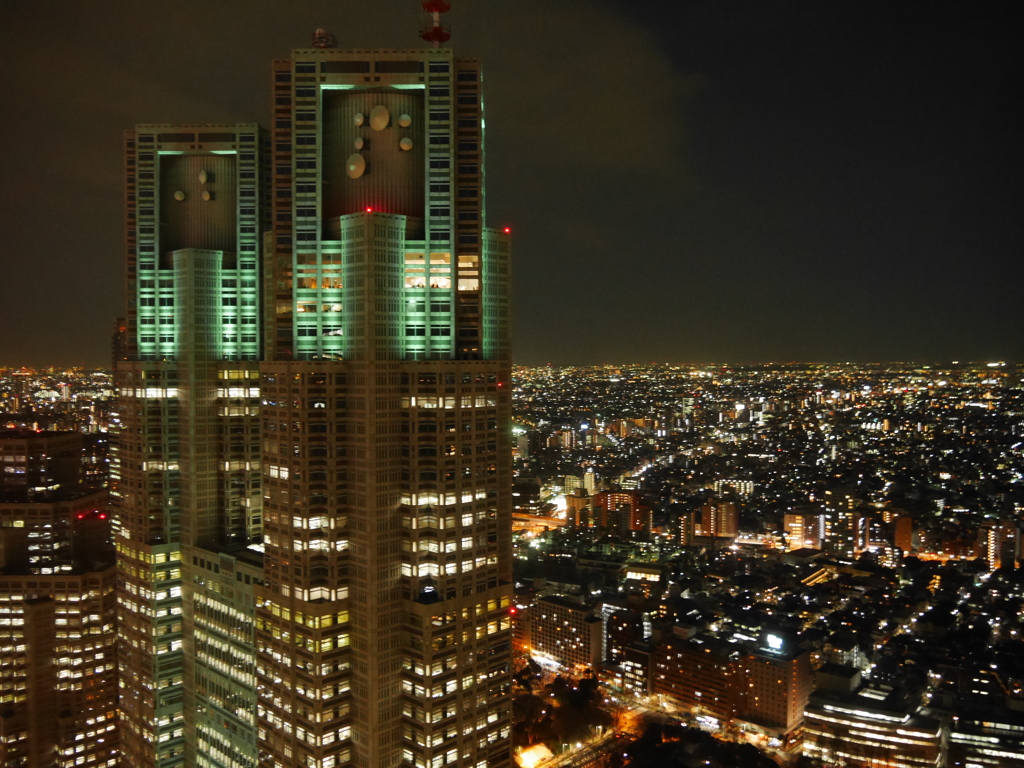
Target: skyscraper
[(314, 481), (186, 468), (383, 625), (58, 677)]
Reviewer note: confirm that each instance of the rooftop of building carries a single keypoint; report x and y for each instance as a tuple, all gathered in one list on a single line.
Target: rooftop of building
[(564, 602), (879, 703), (23, 433), (58, 495), (241, 552), (706, 642), (838, 670)]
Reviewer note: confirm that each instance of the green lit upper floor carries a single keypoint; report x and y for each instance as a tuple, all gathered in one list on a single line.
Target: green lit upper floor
[(201, 188)]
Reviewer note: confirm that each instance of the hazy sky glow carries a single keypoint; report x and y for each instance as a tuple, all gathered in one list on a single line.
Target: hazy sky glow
[(685, 181)]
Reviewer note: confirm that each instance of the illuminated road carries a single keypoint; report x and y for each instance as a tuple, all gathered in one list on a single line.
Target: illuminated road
[(589, 753)]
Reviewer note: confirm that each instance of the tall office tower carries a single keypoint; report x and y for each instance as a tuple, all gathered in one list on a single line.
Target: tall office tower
[(185, 467), (383, 629), (779, 680), (58, 675)]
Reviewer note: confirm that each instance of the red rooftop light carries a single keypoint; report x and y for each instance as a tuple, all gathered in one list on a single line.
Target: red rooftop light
[(435, 33)]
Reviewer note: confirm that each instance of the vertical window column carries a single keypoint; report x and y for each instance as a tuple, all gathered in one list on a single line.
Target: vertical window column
[(470, 210), (248, 247), (146, 240)]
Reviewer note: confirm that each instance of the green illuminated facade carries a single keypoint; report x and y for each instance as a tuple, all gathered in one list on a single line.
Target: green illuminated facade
[(314, 477), (186, 467), (382, 623), (391, 215)]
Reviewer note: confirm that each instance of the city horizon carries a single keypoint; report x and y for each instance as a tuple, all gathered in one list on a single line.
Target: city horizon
[(987, 362)]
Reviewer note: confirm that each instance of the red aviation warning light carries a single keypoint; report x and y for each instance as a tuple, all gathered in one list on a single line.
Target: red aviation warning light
[(435, 33)]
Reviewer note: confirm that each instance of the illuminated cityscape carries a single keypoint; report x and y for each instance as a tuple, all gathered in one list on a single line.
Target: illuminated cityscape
[(809, 560), (870, 582), (299, 468)]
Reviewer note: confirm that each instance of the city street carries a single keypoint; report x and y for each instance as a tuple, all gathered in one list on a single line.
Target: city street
[(590, 752)]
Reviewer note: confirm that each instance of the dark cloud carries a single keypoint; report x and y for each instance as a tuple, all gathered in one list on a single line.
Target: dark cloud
[(573, 86), (685, 181)]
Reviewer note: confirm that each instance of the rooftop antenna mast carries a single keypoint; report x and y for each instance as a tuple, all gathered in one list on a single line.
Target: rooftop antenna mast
[(436, 34)]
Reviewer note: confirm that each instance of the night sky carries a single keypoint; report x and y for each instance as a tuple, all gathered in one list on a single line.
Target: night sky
[(685, 181)]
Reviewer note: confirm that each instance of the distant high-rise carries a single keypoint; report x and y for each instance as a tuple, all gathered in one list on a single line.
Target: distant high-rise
[(578, 508), (313, 484), (58, 673), (846, 531), (804, 530), (904, 533), (38, 462), (1000, 543), (718, 519), (622, 512)]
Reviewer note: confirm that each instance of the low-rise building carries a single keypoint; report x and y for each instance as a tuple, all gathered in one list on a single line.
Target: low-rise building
[(701, 675), (566, 632), (766, 683), (872, 727)]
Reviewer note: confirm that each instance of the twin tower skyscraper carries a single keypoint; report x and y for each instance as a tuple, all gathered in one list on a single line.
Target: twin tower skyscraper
[(312, 487)]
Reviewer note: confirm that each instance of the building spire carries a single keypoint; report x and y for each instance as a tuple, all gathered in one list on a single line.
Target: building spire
[(435, 33)]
